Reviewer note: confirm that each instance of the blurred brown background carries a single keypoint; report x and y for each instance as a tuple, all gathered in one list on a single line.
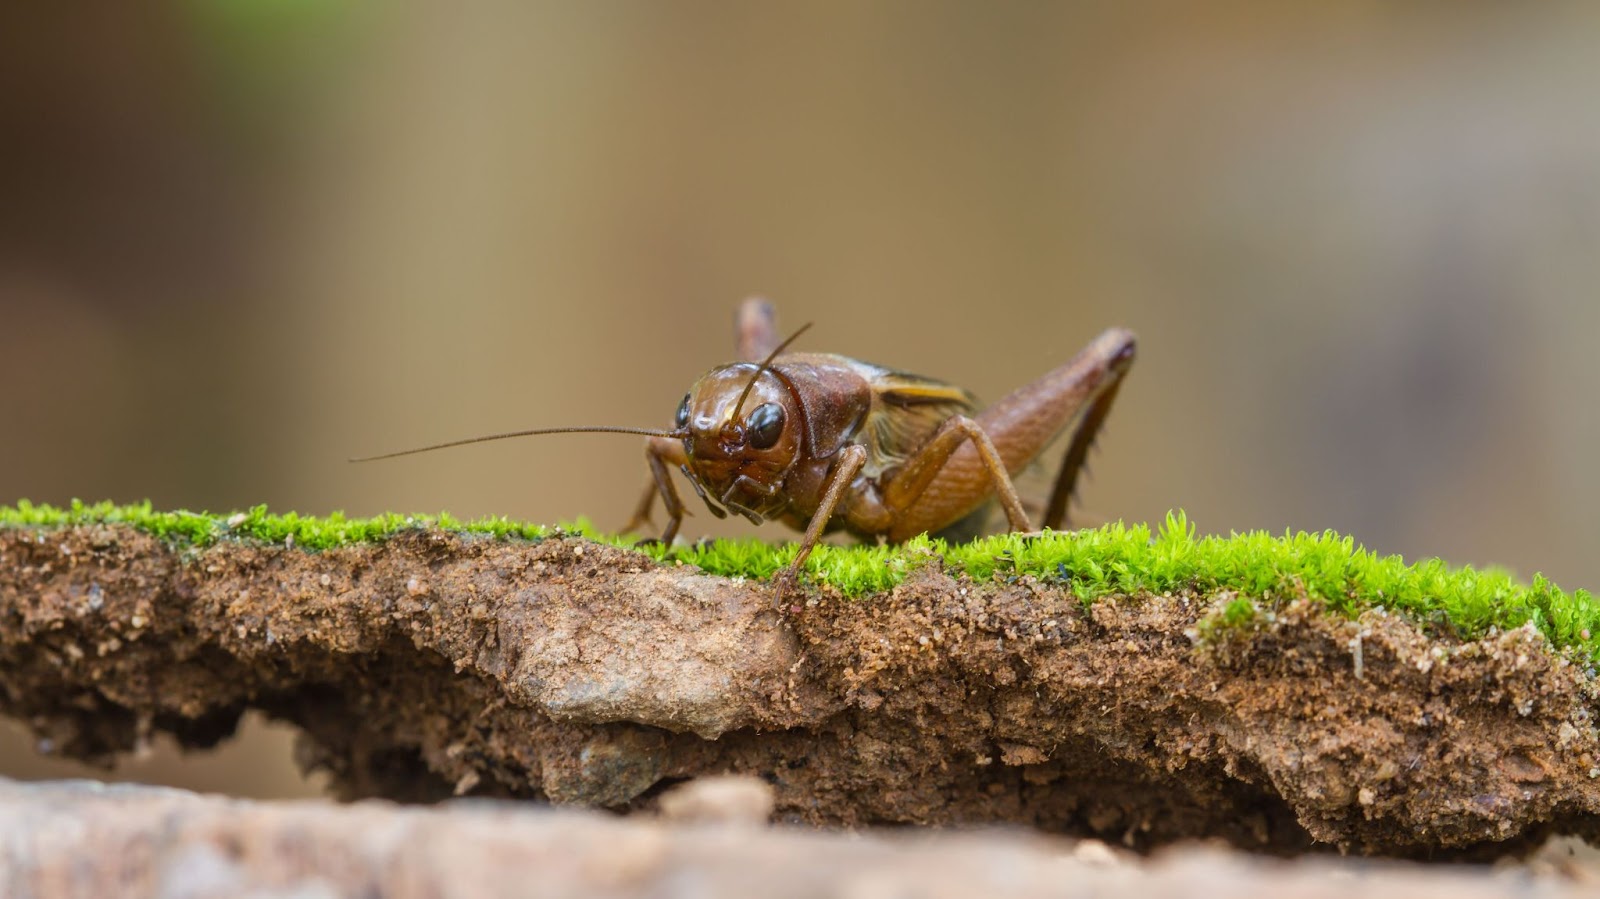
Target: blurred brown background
[(240, 242)]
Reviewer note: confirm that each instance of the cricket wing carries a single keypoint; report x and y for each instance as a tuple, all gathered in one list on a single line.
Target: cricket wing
[(906, 410)]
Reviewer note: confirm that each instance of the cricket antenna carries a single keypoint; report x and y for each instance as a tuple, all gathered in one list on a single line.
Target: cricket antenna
[(765, 364), (647, 432)]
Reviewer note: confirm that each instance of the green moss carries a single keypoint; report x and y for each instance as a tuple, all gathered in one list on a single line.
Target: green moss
[(1239, 612), (1238, 615), (202, 529), (1115, 559)]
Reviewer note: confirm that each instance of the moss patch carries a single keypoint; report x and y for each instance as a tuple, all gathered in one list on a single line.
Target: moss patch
[(1115, 559), (308, 532)]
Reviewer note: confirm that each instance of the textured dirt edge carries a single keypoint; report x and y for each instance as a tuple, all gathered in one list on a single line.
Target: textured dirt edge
[(434, 664)]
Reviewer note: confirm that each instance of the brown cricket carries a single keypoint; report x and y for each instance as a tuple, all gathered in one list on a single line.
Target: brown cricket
[(824, 442)]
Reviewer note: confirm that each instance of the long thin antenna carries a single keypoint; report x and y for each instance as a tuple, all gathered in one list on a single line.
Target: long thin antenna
[(765, 364), (647, 432)]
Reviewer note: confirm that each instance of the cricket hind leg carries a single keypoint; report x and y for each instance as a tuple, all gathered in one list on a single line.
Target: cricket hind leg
[(905, 491), (755, 329), (1083, 437), (954, 472)]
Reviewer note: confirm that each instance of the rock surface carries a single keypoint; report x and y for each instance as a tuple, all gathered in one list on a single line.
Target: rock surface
[(78, 839)]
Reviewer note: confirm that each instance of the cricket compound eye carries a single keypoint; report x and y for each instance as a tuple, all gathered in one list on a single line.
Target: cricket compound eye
[(766, 425), (683, 413)]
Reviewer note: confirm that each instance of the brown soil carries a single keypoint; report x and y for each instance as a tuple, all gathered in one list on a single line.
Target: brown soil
[(436, 664)]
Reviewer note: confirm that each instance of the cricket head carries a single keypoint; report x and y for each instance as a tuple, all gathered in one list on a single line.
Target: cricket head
[(741, 432)]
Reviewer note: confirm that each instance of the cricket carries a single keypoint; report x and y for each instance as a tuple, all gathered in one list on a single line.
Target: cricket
[(823, 442)]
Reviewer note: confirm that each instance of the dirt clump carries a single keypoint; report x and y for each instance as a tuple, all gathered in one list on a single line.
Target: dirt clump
[(435, 664)]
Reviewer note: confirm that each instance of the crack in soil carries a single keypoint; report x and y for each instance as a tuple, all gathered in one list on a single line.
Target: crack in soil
[(435, 664)]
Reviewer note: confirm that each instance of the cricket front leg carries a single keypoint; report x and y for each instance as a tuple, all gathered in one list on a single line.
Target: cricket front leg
[(659, 452), (851, 460)]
